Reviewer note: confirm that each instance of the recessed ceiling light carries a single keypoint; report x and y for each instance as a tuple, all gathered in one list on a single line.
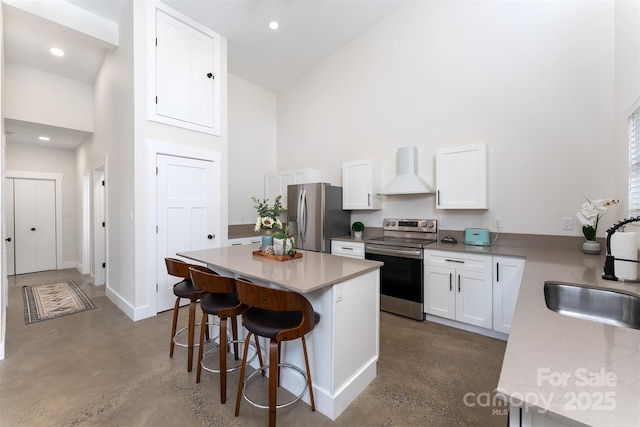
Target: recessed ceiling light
[(274, 25), (44, 138), (56, 51)]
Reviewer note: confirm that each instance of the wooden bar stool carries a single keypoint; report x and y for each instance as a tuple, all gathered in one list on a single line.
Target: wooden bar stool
[(220, 300), (279, 315), (184, 289)]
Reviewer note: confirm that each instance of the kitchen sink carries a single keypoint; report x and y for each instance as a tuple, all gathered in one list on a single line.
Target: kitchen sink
[(611, 307)]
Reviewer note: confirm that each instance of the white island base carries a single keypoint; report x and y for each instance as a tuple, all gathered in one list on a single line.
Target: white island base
[(344, 346)]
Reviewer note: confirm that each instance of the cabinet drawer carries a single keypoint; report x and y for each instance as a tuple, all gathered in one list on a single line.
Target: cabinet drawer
[(458, 260), (353, 250)]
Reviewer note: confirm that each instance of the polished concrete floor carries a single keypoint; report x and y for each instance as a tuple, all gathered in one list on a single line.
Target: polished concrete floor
[(99, 368)]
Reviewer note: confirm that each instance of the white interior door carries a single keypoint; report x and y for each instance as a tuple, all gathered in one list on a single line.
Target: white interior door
[(35, 225), (185, 214), (99, 259), (9, 228)]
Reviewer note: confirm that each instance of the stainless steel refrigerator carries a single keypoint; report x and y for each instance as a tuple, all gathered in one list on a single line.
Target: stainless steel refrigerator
[(315, 215)]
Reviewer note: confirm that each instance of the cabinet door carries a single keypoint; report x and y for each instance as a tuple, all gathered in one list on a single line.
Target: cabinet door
[(359, 185), (473, 298), (461, 177), (439, 292), (506, 285), (185, 74)]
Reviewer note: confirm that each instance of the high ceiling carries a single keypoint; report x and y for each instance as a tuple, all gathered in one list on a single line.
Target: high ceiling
[(310, 30)]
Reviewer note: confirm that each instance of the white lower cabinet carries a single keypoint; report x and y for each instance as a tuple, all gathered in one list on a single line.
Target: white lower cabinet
[(348, 249), (506, 285), (458, 286)]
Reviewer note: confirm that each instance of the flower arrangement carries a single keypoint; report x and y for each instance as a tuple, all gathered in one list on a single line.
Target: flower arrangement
[(267, 215), (590, 213)]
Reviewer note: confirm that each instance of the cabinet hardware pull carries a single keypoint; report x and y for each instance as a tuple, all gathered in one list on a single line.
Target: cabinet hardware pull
[(368, 199), (450, 282), (458, 283), (497, 271), (210, 75), (33, 229), (438, 197), (347, 248), (454, 260)]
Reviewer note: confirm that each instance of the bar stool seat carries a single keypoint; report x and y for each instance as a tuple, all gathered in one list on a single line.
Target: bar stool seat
[(279, 315)]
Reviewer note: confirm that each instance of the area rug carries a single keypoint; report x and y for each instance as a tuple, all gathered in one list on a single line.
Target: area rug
[(44, 302)]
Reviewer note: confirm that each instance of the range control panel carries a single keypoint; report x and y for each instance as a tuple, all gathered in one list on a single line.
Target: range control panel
[(411, 225)]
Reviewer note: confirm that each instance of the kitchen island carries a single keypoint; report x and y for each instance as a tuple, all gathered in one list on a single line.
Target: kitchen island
[(344, 345)]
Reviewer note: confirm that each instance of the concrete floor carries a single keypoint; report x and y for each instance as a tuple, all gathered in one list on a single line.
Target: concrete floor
[(100, 368)]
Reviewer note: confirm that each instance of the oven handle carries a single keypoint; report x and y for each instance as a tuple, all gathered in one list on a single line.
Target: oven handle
[(402, 253)]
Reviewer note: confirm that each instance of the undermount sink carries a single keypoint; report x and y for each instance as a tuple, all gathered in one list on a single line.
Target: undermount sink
[(611, 307)]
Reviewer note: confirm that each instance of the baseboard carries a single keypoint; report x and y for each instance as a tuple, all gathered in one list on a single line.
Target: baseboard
[(332, 406), (466, 327), (133, 313), (68, 264)]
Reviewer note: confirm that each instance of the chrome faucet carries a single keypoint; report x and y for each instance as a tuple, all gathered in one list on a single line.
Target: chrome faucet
[(609, 263)]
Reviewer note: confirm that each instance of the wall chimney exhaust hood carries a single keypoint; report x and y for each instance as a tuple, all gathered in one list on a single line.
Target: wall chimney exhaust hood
[(407, 180)]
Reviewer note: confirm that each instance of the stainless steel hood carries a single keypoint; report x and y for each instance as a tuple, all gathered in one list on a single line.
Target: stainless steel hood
[(407, 180)]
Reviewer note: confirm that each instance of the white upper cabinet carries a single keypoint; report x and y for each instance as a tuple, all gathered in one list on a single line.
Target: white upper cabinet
[(360, 185), (276, 184), (187, 75), (461, 177)]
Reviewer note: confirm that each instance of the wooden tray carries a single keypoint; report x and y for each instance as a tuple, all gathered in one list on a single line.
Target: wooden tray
[(277, 257)]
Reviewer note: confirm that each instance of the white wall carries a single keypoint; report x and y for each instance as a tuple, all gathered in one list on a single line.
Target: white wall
[(252, 146), (22, 157), (535, 80), (35, 96), (627, 94), (113, 142)]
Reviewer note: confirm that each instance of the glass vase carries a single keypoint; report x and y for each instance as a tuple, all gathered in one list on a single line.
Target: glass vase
[(267, 240)]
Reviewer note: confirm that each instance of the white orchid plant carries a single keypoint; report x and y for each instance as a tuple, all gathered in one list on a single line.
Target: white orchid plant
[(267, 215), (590, 213)]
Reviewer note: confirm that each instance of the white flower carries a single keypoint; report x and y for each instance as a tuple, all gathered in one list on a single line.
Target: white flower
[(588, 214)]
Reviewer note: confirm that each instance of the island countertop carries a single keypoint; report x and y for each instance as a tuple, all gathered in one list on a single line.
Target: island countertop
[(307, 274)]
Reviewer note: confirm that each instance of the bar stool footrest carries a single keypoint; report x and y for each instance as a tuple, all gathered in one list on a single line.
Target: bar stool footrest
[(282, 405)]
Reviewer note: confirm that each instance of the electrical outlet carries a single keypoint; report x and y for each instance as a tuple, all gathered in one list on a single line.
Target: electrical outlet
[(497, 222), (442, 221), (338, 289), (567, 224)]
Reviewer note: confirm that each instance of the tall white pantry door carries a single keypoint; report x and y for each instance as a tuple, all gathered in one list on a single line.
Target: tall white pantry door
[(185, 209), (34, 202)]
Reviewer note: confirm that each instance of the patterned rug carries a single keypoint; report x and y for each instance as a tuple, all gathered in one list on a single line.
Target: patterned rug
[(44, 302)]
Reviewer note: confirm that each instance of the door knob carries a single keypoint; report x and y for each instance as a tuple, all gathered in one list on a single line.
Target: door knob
[(8, 239), (33, 229), (210, 236)]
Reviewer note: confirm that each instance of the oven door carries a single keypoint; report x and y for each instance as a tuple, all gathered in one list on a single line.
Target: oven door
[(402, 274)]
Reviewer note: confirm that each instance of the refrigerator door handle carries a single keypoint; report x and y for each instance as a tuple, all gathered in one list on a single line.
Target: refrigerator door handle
[(303, 216)]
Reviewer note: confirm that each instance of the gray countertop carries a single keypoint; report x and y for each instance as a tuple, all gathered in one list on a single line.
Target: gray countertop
[(574, 371), (311, 272), (544, 346)]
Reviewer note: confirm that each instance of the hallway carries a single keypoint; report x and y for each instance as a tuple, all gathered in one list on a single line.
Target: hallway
[(100, 368)]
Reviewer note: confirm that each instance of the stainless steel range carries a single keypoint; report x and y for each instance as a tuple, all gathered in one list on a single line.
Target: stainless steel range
[(402, 276)]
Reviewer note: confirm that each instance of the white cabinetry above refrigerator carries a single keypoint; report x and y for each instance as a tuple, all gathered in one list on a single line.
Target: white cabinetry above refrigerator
[(276, 184)]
